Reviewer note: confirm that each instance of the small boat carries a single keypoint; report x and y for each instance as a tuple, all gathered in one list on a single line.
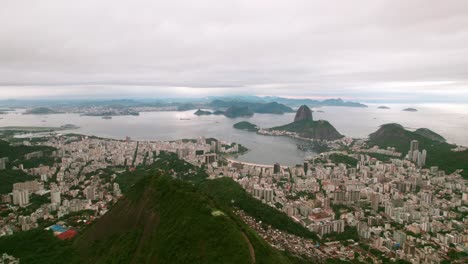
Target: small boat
[(107, 117)]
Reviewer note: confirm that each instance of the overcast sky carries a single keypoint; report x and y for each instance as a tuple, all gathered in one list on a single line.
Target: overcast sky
[(358, 50)]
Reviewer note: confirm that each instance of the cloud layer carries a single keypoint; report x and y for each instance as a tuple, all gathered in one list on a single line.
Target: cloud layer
[(365, 50)]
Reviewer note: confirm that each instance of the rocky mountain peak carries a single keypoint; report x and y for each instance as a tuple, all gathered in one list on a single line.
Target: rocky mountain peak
[(303, 113)]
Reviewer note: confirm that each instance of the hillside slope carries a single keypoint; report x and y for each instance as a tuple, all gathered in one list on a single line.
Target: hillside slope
[(425, 132), (163, 220)]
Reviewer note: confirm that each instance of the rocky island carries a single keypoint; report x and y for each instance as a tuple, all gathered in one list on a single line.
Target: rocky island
[(410, 109), (383, 107), (200, 112), (244, 125)]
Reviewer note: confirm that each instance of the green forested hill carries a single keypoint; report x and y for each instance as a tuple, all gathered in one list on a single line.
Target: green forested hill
[(438, 153), (164, 220)]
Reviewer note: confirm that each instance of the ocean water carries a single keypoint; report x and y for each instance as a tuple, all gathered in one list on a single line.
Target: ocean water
[(449, 120)]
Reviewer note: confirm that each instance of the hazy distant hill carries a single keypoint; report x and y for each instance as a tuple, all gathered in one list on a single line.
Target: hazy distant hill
[(238, 111), (314, 103), (40, 111), (200, 112), (429, 134), (264, 108)]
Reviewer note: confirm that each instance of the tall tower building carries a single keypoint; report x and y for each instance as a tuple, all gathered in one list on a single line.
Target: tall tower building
[(306, 167), (55, 197), (414, 145), (276, 168), (90, 193), (20, 197), (423, 157)]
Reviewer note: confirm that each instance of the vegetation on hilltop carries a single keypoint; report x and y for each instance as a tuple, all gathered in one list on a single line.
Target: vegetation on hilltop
[(9, 177), (38, 246), (166, 220), (163, 162), (229, 193), (18, 152), (345, 159), (238, 111), (273, 108), (425, 132), (256, 107)]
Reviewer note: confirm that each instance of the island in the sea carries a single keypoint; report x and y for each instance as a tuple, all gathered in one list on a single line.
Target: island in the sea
[(244, 125), (383, 107), (410, 109), (40, 111), (200, 112)]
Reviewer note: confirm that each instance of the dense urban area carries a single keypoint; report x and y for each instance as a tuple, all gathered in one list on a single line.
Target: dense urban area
[(353, 203)]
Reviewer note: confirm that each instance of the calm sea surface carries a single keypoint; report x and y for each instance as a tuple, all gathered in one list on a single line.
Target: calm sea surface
[(451, 121)]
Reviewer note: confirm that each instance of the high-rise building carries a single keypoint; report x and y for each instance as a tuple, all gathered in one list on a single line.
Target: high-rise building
[(306, 167), (90, 193), (399, 237), (276, 168), (117, 191), (268, 194), (32, 186), (375, 199), (55, 197), (414, 145), (21, 197), (3, 162), (423, 157), (426, 197)]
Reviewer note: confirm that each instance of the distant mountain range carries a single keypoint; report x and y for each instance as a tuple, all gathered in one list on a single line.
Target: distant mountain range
[(181, 103)]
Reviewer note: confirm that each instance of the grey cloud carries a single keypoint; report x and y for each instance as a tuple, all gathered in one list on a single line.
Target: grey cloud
[(310, 48)]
